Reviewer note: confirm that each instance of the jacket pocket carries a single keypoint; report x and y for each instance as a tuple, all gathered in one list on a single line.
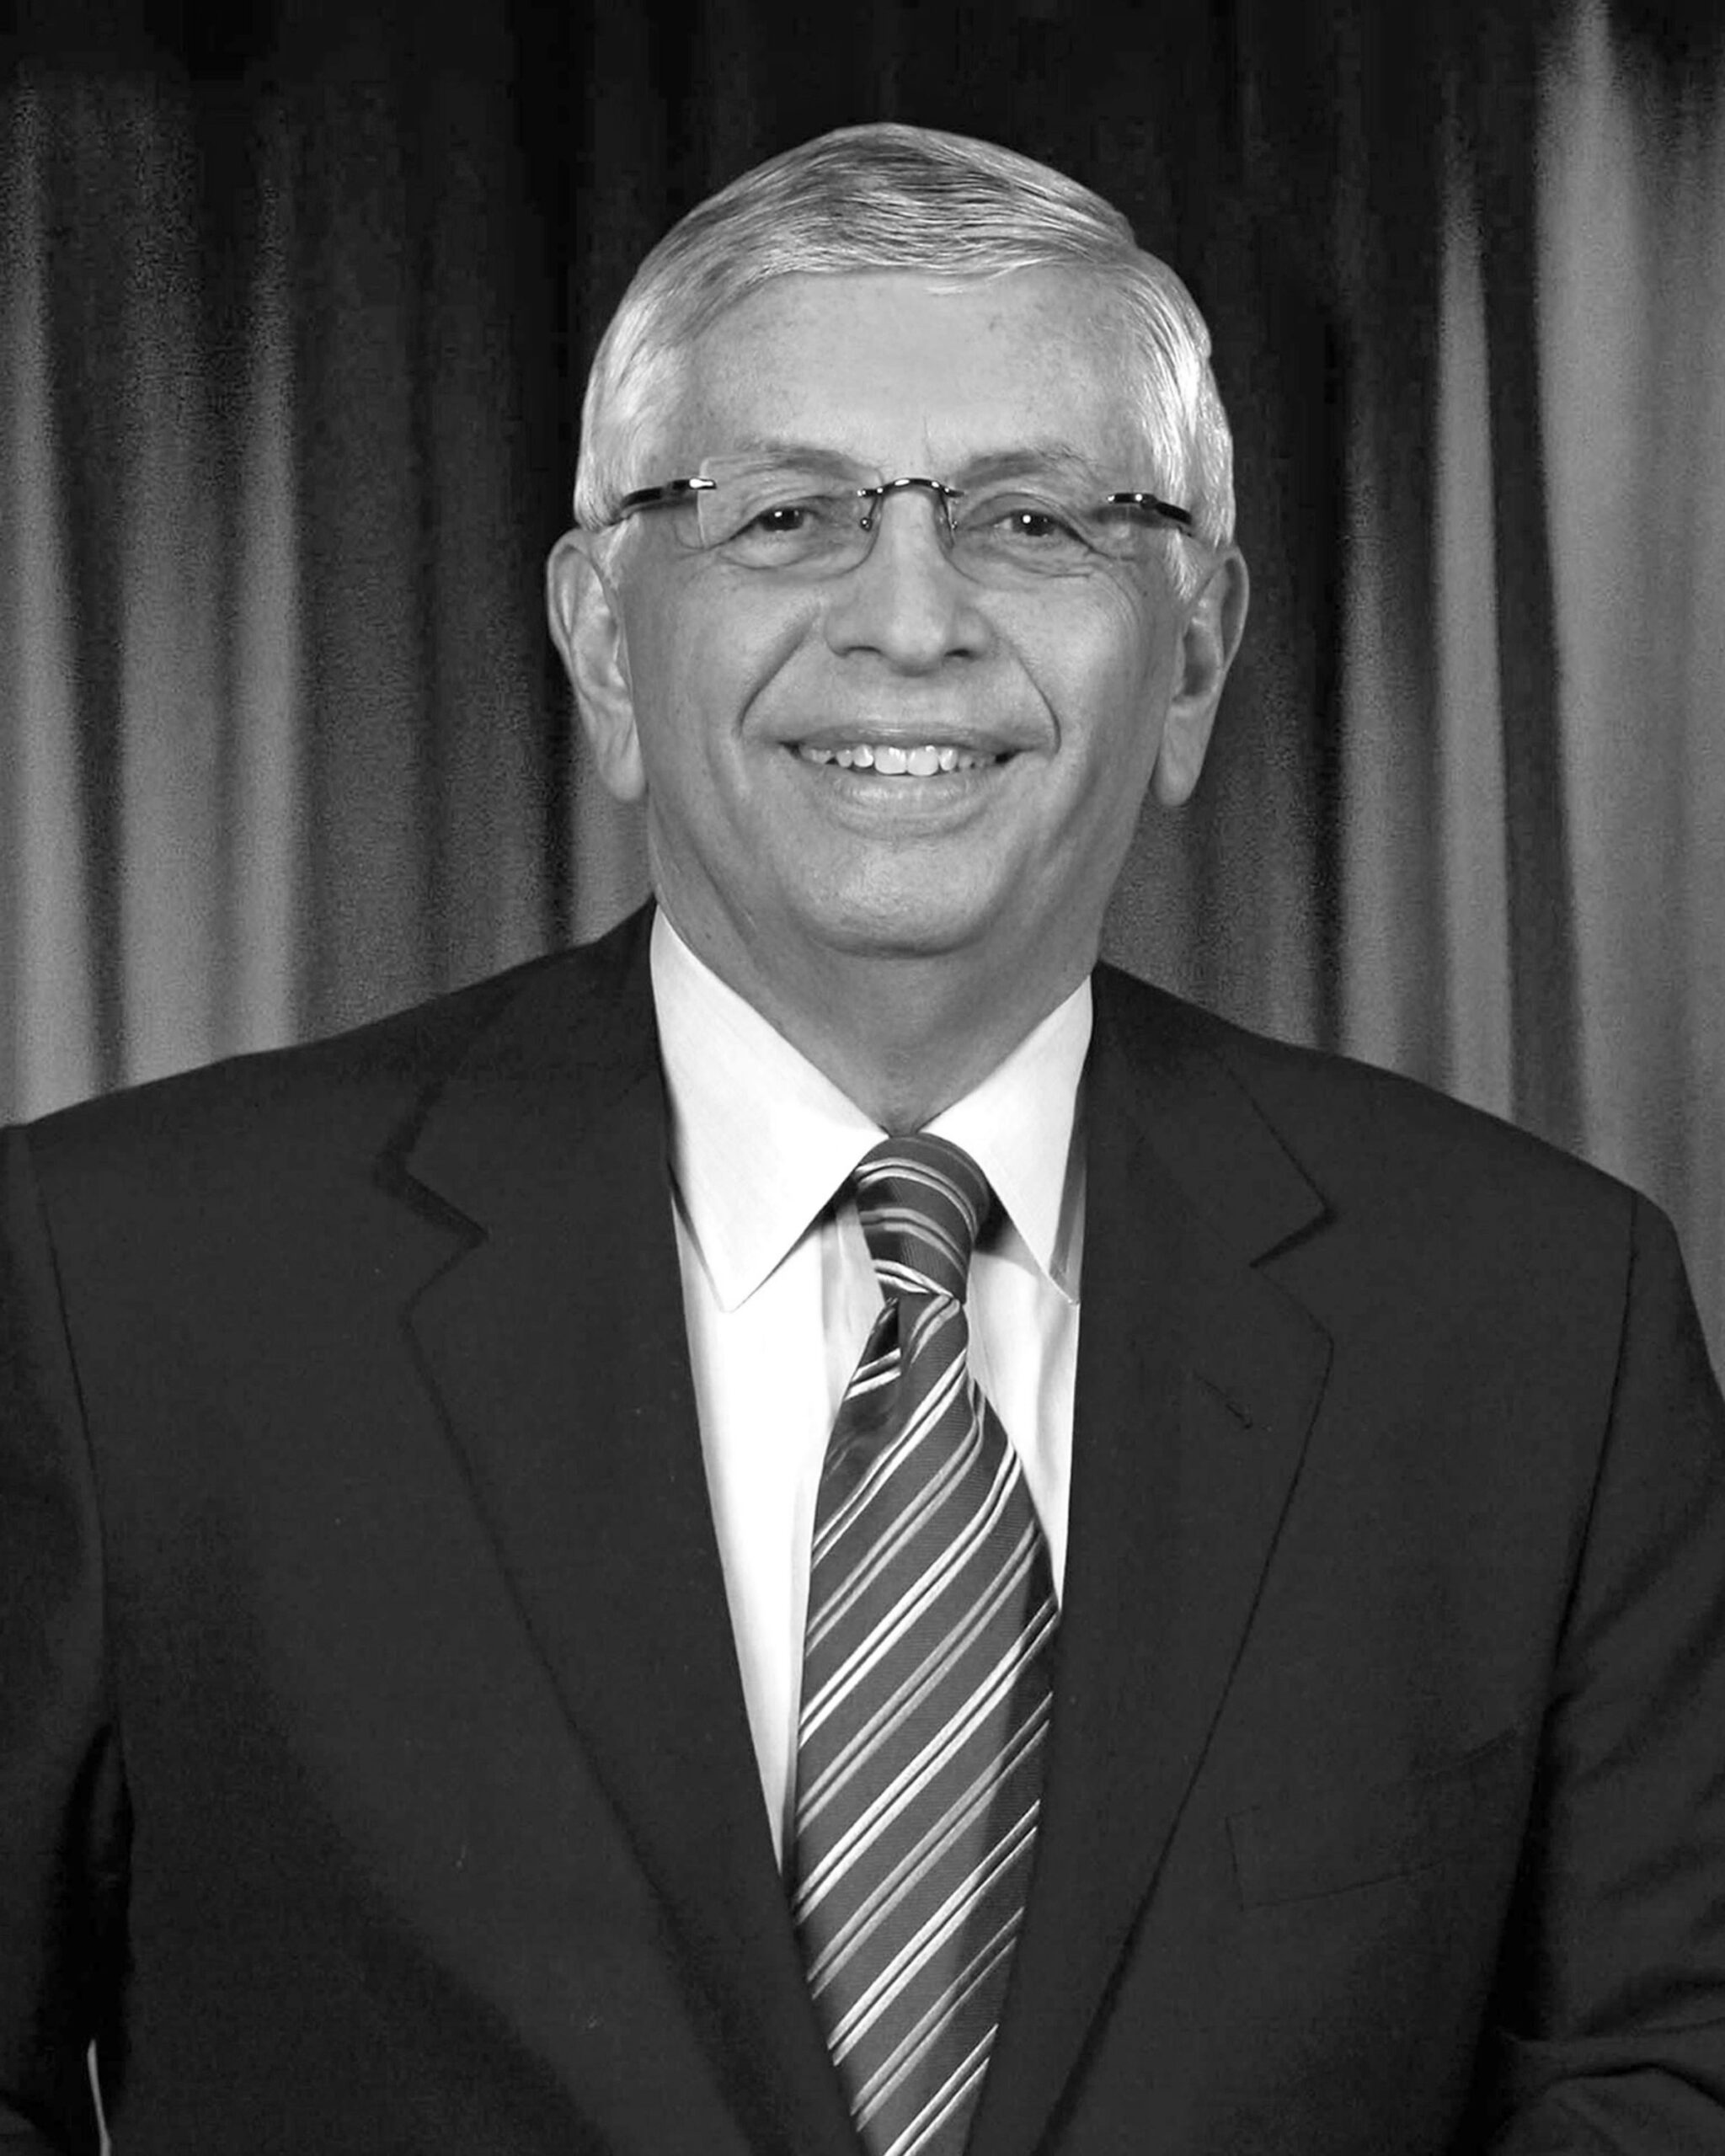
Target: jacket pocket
[(1322, 1845)]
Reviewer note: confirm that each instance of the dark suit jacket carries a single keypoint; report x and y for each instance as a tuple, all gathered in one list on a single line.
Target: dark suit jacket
[(375, 1773)]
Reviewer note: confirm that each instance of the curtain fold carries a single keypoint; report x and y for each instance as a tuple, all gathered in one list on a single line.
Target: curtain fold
[(1473, 826), (1631, 355), (48, 985), (294, 317)]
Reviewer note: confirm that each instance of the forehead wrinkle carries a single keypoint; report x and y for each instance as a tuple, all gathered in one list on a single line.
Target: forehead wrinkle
[(1060, 457)]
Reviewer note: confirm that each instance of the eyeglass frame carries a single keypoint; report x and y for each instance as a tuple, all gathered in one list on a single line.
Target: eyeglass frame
[(673, 493)]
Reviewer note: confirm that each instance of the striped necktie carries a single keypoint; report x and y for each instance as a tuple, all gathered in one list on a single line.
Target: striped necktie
[(925, 1689)]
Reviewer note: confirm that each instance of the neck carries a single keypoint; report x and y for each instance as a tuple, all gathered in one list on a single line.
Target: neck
[(902, 1036)]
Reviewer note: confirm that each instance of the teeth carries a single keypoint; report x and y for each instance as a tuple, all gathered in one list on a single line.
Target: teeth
[(892, 760)]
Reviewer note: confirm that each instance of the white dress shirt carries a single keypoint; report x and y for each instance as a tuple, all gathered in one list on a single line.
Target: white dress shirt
[(779, 1291)]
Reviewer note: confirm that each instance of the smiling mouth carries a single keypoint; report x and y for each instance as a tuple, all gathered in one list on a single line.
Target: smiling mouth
[(892, 759)]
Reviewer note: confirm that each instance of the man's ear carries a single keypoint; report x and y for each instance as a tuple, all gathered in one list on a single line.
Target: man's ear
[(1215, 625), (586, 626)]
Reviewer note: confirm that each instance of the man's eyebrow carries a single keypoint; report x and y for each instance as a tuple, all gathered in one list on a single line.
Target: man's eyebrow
[(1061, 457), (799, 456)]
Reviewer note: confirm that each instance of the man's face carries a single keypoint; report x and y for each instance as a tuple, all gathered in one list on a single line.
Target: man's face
[(726, 692)]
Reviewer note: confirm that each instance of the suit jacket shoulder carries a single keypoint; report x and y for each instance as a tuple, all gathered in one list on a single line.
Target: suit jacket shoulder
[(1357, 1120), (1433, 1197), (358, 1097)]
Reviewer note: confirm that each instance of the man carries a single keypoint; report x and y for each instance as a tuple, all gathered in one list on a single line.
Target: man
[(823, 1525)]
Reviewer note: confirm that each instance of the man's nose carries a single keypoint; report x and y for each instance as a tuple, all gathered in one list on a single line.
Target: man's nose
[(906, 599)]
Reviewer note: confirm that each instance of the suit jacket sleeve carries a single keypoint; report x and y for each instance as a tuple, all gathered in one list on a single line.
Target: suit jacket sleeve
[(1610, 2033), (63, 1815)]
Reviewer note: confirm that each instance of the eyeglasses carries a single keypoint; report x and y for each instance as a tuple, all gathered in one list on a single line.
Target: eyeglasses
[(779, 518)]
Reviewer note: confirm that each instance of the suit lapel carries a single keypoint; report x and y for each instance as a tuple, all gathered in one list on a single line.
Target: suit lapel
[(1196, 1382), (557, 1342)]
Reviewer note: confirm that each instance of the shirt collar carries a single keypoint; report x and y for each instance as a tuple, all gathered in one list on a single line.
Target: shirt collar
[(760, 1139)]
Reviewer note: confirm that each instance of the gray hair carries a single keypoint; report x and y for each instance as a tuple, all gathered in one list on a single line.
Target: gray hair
[(887, 197)]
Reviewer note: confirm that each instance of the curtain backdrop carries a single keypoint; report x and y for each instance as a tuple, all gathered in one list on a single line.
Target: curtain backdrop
[(295, 308)]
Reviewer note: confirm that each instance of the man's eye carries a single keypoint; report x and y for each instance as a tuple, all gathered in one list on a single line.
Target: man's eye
[(786, 520), (1034, 524)]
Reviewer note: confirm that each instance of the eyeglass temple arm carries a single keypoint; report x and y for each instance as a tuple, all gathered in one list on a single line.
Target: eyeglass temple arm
[(673, 490), (1169, 510)]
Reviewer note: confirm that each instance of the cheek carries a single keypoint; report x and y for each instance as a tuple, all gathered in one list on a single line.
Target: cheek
[(1099, 675), (679, 693), (701, 654)]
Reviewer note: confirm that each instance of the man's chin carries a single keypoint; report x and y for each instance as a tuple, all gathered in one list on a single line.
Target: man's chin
[(912, 933)]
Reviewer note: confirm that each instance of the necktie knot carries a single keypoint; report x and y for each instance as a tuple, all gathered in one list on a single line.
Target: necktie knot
[(922, 1201)]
